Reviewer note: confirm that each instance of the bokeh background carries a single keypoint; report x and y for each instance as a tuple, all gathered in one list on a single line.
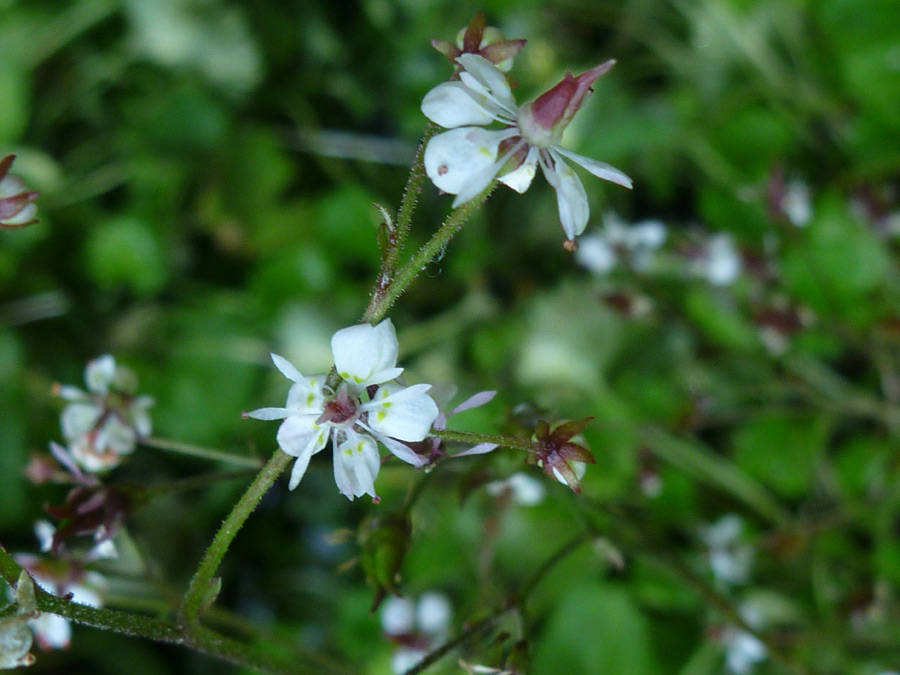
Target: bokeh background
[(207, 171)]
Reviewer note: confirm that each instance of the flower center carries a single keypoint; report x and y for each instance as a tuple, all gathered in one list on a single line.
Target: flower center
[(340, 410)]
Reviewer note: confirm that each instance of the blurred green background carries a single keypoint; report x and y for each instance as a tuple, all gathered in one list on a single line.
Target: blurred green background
[(207, 170)]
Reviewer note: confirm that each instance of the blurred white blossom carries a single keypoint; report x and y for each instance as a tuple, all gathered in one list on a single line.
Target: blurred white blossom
[(416, 627), (619, 243), (102, 424)]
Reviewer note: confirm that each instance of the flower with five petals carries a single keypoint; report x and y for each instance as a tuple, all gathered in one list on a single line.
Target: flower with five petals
[(465, 160), (367, 406)]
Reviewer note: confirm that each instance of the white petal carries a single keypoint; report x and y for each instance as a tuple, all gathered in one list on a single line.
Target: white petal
[(269, 413), (480, 449), (300, 434), (599, 169), (77, 419), (404, 413), (356, 464), (365, 354), (99, 373), (120, 438), (452, 105), (455, 157), (595, 254), (286, 368), (51, 631), (520, 179), (570, 196), (491, 78)]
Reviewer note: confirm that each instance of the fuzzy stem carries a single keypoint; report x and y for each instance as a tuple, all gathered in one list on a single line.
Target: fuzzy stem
[(197, 451), (381, 301), (201, 583), (473, 438), (410, 196)]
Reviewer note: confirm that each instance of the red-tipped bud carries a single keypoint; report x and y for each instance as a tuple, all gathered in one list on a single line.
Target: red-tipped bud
[(544, 119)]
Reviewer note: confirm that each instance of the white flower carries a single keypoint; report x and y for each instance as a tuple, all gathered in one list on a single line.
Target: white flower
[(729, 558), (464, 160), (105, 422), (598, 252), (523, 489), (418, 627), (367, 406), (721, 262)]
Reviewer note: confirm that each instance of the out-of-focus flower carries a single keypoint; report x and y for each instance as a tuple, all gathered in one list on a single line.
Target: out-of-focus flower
[(17, 208), (15, 637), (415, 627), (466, 159), (365, 407), (522, 488), (729, 558), (485, 41), (720, 260), (63, 576), (103, 424), (558, 454), (743, 650), (632, 245)]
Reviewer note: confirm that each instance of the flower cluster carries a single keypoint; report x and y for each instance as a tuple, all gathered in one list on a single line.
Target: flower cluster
[(102, 424), (65, 577), (415, 627), (16, 201), (365, 407), (465, 160)]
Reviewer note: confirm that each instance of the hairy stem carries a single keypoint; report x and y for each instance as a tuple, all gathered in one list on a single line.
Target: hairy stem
[(201, 584), (197, 451), (473, 438), (382, 300)]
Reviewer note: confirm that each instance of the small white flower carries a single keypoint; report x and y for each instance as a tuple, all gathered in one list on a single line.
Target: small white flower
[(598, 252), (105, 422), (353, 416), (464, 160), (417, 627), (721, 262), (729, 558), (524, 489)]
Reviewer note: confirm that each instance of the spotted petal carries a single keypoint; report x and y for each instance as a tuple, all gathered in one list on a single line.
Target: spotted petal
[(356, 464), (405, 413)]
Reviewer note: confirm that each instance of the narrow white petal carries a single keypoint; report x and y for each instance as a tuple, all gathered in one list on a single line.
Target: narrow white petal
[(286, 368), (491, 78), (474, 401), (480, 449), (365, 354), (401, 451), (599, 169), (455, 157), (299, 470), (269, 413), (570, 196), (341, 477), (520, 179), (452, 105)]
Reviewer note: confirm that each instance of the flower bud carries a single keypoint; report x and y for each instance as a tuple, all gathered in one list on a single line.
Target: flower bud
[(486, 41), (543, 120)]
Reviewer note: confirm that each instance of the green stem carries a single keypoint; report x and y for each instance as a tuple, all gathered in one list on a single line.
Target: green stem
[(255, 657), (516, 601), (473, 438), (408, 204), (197, 451), (383, 299), (202, 583)]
